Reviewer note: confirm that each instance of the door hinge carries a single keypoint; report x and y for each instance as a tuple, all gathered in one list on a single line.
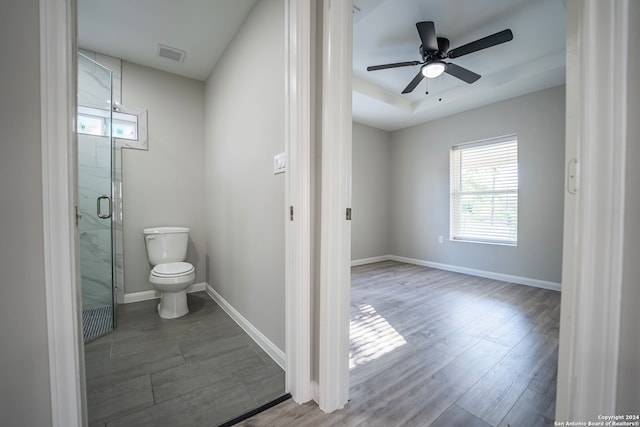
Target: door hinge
[(78, 216), (290, 213), (348, 214)]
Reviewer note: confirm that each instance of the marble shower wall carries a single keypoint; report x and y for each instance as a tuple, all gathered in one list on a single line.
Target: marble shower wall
[(93, 244), (94, 180)]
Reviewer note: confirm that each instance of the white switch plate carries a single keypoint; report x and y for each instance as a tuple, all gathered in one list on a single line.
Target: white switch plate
[(279, 163), (440, 239)]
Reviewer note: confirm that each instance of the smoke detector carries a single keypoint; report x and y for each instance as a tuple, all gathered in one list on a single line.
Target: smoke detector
[(171, 53)]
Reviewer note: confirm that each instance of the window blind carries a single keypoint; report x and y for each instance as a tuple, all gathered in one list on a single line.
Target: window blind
[(484, 191)]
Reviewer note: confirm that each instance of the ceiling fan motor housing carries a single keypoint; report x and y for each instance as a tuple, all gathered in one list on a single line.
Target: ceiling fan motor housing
[(429, 55)]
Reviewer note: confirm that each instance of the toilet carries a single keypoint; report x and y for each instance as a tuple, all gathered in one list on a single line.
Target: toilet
[(170, 275)]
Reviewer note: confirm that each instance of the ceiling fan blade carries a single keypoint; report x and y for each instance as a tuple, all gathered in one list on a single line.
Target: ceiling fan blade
[(461, 73), (483, 43), (411, 86), (427, 31), (394, 65)]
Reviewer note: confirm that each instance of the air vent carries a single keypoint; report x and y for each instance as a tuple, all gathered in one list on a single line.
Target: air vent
[(356, 10), (171, 53)]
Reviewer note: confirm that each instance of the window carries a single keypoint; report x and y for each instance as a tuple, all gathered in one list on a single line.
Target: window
[(93, 121), (484, 191)]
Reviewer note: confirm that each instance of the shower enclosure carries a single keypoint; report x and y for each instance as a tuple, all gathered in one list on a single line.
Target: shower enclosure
[(95, 201)]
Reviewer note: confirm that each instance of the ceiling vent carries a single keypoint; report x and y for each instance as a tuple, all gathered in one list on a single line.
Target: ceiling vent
[(171, 53)]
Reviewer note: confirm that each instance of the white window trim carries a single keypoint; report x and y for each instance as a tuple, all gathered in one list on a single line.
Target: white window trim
[(452, 213)]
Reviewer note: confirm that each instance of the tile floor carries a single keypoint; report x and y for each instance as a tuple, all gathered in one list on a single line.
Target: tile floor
[(198, 370)]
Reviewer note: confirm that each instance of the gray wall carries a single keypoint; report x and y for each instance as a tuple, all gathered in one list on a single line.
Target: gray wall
[(629, 369), (24, 375), (245, 213), (370, 187), (163, 185), (420, 186)]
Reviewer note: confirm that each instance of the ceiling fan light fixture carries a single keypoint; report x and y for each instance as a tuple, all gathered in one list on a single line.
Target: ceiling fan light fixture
[(433, 69)]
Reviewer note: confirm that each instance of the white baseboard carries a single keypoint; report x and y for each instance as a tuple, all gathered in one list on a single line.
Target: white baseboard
[(472, 271), (481, 273), (270, 348), (153, 294), (371, 260)]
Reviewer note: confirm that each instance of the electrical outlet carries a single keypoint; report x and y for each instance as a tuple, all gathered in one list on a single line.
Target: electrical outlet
[(440, 239)]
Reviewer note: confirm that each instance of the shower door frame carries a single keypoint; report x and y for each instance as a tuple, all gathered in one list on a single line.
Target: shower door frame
[(110, 191)]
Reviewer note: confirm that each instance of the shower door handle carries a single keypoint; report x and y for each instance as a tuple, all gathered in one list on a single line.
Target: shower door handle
[(99, 205)]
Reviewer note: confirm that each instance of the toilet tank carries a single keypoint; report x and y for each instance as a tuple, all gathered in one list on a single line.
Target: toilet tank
[(166, 244)]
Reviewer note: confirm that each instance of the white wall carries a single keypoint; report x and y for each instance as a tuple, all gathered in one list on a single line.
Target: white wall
[(420, 187), (164, 185), (370, 186), (24, 373), (245, 213)]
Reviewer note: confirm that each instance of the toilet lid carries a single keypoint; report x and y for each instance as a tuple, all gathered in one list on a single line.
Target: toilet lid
[(172, 269)]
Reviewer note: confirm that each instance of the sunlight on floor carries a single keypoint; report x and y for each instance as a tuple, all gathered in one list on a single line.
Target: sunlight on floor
[(371, 336)]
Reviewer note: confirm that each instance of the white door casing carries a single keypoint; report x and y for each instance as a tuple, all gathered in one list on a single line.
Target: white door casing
[(335, 229), (597, 33), (298, 199)]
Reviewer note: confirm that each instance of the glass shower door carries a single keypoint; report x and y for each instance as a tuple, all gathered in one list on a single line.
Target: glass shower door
[(95, 166)]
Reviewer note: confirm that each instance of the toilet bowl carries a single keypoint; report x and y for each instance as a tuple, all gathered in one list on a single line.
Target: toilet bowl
[(170, 275), (171, 280)]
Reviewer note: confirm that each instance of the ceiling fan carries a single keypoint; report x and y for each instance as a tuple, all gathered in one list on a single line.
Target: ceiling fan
[(435, 49)]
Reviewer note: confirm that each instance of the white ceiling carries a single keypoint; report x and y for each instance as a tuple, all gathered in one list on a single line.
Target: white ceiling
[(384, 32), (131, 30), (533, 60)]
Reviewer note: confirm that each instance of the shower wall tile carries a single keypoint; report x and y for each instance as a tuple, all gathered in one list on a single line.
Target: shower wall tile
[(101, 156), (89, 220), (94, 182), (86, 150), (95, 245), (96, 289), (117, 89), (118, 235), (115, 65), (95, 255), (88, 53), (112, 63)]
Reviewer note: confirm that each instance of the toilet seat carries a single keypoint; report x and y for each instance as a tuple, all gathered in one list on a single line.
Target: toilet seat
[(171, 280), (172, 269)]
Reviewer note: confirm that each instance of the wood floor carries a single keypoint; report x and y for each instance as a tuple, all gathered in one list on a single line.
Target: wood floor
[(199, 370), (436, 348)]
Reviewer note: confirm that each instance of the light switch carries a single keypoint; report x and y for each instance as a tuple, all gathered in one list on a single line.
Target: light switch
[(279, 163)]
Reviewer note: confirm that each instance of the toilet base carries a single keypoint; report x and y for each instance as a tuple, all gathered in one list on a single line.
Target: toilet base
[(173, 304)]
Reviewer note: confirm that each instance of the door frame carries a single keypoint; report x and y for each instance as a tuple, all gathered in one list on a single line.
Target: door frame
[(63, 299), (298, 182), (335, 227), (66, 364), (594, 233), (59, 197)]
